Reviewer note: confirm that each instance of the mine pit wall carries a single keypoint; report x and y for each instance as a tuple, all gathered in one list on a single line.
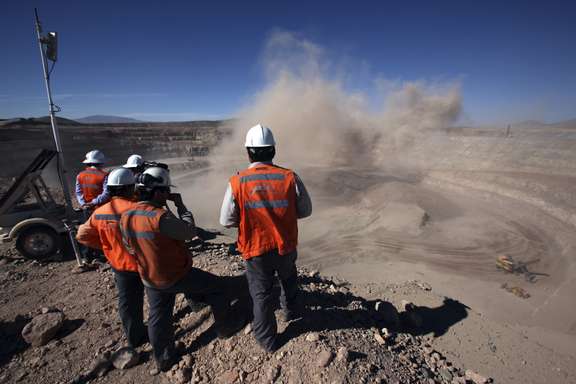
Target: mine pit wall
[(537, 168), (20, 144)]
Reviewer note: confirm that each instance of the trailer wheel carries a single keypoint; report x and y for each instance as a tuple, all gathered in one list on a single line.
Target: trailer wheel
[(38, 242)]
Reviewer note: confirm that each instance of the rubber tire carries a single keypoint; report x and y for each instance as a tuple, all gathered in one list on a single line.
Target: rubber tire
[(35, 230)]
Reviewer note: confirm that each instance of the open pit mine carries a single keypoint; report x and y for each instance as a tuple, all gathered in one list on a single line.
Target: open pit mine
[(470, 233)]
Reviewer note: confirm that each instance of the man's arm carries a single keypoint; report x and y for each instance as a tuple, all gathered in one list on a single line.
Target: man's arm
[(303, 201), (183, 228), (88, 235), (104, 196), (79, 194), (229, 215)]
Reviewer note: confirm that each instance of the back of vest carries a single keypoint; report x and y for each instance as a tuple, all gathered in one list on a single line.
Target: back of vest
[(266, 198), (106, 220), (91, 182), (162, 261)]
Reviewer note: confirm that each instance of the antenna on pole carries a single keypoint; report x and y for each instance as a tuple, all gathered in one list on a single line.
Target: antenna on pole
[(48, 45)]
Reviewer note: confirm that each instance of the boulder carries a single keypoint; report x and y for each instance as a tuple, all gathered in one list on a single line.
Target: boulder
[(43, 328)]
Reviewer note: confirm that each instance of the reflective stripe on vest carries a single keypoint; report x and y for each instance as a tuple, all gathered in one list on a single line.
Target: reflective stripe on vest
[(266, 204), (265, 176), (140, 234), (107, 216), (141, 213)]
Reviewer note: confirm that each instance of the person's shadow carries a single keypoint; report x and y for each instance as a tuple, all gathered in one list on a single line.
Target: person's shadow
[(332, 309), (323, 305)]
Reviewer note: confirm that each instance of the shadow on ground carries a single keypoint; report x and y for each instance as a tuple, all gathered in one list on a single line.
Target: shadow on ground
[(11, 342)]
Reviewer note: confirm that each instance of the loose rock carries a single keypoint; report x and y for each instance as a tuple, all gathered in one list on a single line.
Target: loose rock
[(324, 358), (229, 377), (43, 328), (313, 336), (125, 358), (476, 378), (343, 354)]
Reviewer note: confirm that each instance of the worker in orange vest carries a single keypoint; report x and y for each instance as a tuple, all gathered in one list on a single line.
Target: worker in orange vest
[(102, 231), (265, 201), (91, 182), (156, 238)]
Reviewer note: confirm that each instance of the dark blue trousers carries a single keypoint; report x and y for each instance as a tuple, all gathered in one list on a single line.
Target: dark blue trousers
[(131, 306)]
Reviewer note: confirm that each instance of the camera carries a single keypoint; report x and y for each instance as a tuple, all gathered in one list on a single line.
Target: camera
[(150, 164)]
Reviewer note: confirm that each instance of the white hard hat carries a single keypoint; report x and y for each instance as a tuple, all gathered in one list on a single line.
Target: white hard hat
[(259, 136), (134, 161), (95, 157), (154, 177), (120, 177)]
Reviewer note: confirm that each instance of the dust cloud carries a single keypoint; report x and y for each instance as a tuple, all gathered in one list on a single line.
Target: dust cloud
[(318, 120)]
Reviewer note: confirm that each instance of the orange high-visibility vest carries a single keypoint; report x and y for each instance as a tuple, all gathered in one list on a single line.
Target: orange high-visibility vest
[(162, 261), (91, 182), (106, 220), (266, 199)]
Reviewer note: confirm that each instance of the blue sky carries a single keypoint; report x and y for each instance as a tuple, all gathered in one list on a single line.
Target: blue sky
[(183, 60)]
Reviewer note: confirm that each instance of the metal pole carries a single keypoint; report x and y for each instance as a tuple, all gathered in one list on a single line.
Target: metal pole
[(60, 167), (55, 133)]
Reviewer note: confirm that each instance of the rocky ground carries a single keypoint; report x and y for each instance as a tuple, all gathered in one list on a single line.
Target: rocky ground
[(342, 337)]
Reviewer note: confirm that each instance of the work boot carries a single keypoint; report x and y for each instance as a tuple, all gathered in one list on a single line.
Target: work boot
[(231, 327), (290, 314)]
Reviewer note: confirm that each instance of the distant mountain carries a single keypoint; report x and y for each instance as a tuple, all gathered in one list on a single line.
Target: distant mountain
[(105, 119), (45, 120), (566, 124)]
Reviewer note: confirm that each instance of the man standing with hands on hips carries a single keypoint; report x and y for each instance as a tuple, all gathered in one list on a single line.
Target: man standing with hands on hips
[(265, 201)]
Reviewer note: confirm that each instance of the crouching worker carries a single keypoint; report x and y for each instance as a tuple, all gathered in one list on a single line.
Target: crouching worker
[(156, 238), (102, 231)]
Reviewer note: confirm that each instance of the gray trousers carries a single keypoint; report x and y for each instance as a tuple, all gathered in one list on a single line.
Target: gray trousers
[(261, 272)]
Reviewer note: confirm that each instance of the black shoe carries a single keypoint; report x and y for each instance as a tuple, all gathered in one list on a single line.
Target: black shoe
[(231, 327), (287, 315), (164, 365)]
